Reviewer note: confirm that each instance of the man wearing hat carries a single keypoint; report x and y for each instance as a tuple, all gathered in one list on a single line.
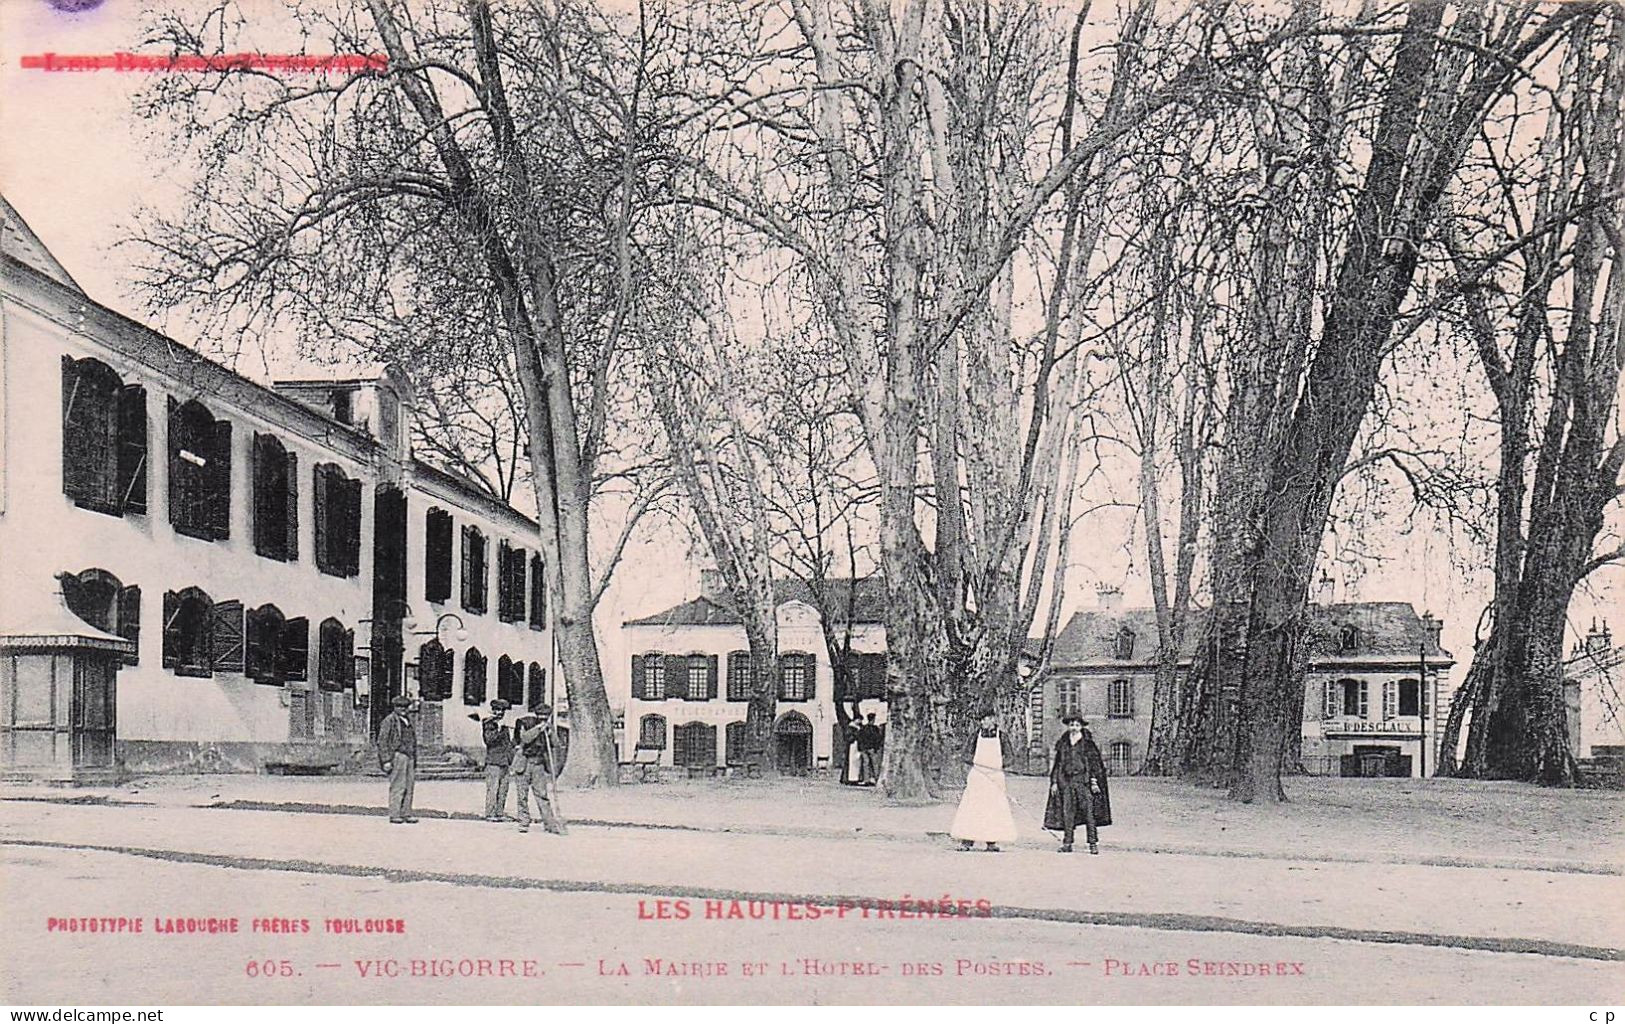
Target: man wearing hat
[(534, 767), (499, 751), (1077, 786), (398, 756)]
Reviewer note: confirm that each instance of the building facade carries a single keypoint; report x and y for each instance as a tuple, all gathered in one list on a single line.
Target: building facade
[(274, 560), (687, 684), (1594, 678), (1373, 668)]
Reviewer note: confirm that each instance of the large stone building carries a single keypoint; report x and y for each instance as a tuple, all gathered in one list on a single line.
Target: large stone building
[(688, 681), (197, 571), (1373, 667)]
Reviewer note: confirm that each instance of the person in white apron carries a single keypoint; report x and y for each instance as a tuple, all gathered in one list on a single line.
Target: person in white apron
[(984, 810)]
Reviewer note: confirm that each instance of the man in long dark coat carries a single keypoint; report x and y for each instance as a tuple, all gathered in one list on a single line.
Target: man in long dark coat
[(398, 757), (1078, 791)]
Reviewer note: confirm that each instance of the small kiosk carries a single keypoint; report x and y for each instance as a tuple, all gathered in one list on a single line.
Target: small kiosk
[(58, 695)]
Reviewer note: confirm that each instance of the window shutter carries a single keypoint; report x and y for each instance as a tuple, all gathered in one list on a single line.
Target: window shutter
[(228, 646), (319, 515), (293, 649), (1332, 698), (352, 527), (711, 677), (172, 635), (676, 666), (708, 746), (538, 594), (810, 686), (132, 448), (467, 573), (217, 480), (1365, 700), (504, 582), (639, 690), (437, 556), (129, 621), (1390, 699), (73, 475), (174, 448), (261, 475), (291, 550)]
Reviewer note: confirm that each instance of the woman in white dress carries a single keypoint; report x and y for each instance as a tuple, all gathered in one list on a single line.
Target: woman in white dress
[(984, 810)]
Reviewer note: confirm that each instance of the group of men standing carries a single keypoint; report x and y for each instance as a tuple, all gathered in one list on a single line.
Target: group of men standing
[(522, 752)]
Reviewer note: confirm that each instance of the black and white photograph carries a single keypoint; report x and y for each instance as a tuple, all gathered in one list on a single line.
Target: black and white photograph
[(778, 503)]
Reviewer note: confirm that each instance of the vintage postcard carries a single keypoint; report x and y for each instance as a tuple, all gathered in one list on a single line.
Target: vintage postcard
[(788, 502)]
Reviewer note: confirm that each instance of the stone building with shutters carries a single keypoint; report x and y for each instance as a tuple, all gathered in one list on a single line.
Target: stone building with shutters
[(688, 679), (1374, 667), (265, 566)]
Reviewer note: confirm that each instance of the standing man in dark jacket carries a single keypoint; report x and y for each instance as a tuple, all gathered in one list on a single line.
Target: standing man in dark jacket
[(871, 741), (534, 767), (398, 756), (499, 754), (1078, 789)]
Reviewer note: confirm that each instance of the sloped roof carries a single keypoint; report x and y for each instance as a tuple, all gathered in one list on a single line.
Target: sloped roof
[(18, 241), (1385, 630), (868, 597)]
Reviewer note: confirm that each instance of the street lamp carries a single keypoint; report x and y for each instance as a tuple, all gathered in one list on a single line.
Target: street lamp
[(461, 636)]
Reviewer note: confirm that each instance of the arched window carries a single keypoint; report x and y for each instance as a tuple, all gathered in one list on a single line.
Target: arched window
[(475, 570), (263, 632), (276, 499), (1120, 757), (336, 507), (434, 671), (188, 633), (511, 681), (199, 472), (335, 656), (536, 692), (104, 438), (700, 677), (1125, 644), (734, 743), (694, 745), (436, 556), (473, 677), (652, 732), (1120, 699), (98, 597)]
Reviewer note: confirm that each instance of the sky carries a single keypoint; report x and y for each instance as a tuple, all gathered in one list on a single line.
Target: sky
[(77, 164)]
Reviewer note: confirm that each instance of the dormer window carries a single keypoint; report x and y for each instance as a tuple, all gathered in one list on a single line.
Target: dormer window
[(1348, 640), (1125, 644), (344, 406)]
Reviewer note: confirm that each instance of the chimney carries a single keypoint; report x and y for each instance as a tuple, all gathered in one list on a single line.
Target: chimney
[(1108, 597), (712, 586), (1598, 641), (1325, 590), (1433, 628)]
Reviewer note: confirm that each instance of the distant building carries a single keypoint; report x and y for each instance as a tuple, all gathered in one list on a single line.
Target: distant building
[(200, 572), (1594, 676), (688, 681), (1364, 692)]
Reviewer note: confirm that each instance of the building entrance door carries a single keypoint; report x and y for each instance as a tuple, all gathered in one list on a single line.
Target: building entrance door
[(792, 737)]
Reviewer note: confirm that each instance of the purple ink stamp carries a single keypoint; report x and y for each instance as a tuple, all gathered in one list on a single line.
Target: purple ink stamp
[(74, 6)]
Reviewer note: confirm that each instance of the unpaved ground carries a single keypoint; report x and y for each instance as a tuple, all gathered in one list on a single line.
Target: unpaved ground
[(1374, 892)]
